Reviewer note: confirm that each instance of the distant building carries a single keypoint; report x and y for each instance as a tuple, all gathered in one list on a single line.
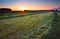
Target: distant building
[(5, 9)]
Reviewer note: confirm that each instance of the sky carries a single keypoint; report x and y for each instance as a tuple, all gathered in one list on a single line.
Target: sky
[(30, 4)]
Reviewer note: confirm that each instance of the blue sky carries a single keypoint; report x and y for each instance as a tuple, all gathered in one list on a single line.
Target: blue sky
[(35, 4)]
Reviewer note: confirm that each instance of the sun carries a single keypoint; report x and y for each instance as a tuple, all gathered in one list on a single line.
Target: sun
[(22, 9)]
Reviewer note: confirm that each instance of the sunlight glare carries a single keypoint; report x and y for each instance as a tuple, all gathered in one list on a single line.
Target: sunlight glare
[(22, 9)]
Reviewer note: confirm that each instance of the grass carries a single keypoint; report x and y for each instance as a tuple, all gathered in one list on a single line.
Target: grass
[(27, 27), (55, 31)]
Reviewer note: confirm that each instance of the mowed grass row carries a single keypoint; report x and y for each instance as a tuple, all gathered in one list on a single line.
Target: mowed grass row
[(15, 27), (41, 29)]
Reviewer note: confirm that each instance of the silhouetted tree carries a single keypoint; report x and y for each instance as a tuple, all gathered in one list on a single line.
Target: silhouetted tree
[(5, 9)]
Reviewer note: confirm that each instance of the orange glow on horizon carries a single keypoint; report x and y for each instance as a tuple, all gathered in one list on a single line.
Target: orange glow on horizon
[(31, 8), (22, 8)]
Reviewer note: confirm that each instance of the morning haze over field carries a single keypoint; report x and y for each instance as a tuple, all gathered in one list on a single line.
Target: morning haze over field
[(30, 4), (29, 19)]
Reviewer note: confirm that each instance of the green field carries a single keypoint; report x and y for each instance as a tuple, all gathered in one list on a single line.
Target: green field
[(36, 26)]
